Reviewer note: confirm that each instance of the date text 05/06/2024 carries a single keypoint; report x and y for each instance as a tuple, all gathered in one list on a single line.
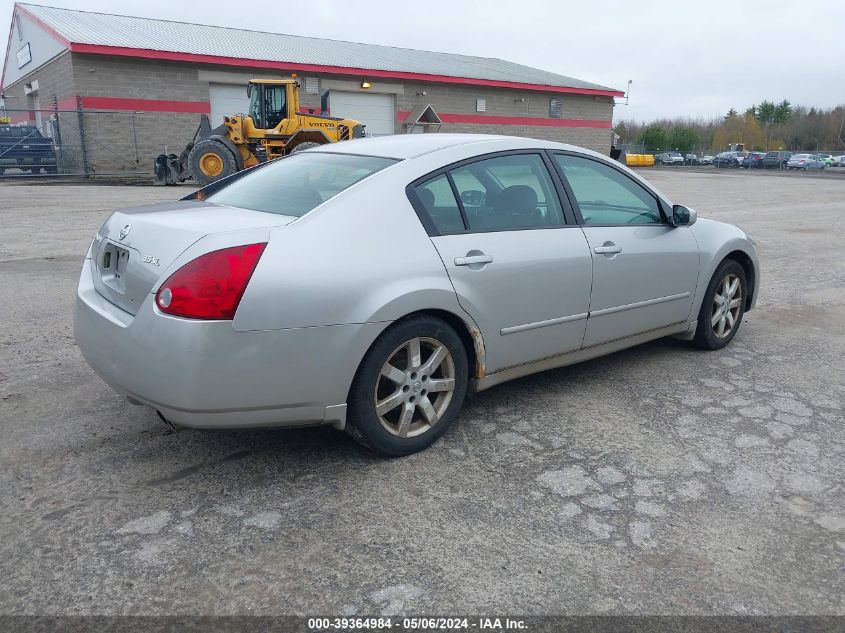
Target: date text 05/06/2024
[(492, 624)]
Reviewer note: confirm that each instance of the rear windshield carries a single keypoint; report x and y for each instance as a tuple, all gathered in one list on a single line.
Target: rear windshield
[(298, 183)]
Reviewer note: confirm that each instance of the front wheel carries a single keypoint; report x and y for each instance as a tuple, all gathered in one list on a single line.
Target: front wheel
[(210, 160), (722, 308), (409, 388)]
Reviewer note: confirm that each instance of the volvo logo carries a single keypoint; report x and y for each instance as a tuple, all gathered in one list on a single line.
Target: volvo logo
[(125, 231)]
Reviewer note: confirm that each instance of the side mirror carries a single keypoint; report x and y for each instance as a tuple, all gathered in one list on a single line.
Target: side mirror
[(682, 216), (473, 197)]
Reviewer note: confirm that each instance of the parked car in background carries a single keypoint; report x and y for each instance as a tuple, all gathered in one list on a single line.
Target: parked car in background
[(776, 160), (691, 159), (727, 159), (839, 161), (827, 159), (23, 147), (231, 323), (707, 159), (669, 158), (753, 161), (805, 162)]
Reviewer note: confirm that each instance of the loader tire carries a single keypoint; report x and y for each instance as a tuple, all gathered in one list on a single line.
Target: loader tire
[(210, 161), (304, 146)]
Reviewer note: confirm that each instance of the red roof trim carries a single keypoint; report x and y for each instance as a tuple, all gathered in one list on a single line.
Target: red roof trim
[(337, 70), (61, 39), (513, 120)]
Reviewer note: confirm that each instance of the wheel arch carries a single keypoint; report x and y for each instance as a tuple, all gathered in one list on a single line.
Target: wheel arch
[(469, 334), (742, 258), (227, 142), (307, 136), (467, 331)]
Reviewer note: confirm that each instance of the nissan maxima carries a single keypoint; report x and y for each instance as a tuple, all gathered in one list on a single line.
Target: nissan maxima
[(372, 284)]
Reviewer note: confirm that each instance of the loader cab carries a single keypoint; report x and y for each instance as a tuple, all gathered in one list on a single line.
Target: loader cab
[(268, 104)]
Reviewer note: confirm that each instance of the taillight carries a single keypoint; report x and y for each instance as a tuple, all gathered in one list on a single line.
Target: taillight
[(210, 286)]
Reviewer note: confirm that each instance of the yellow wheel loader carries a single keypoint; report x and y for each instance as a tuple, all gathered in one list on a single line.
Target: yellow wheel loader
[(273, 127)]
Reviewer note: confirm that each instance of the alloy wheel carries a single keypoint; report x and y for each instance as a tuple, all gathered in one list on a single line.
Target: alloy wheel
[(727, 302), (414, 387)]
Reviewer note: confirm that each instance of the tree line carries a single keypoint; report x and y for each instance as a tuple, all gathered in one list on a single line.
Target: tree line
[(764, 126)]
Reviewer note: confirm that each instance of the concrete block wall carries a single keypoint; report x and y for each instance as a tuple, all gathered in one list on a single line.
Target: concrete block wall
[(461, 99), (55, 87), (127, 141), (55, 80)]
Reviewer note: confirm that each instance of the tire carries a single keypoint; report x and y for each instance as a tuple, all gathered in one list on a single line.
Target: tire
[(389, 432), (210, 160), (304, 146), (707, 333)]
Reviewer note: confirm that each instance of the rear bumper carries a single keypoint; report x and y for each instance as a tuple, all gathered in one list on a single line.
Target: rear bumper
[(204, 374)]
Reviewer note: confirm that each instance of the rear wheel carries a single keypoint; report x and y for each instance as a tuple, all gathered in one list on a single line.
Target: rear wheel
[(722, 308), (211, 160), (409, 387)]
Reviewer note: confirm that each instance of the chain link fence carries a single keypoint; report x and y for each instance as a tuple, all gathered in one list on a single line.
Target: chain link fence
[(82, 143)]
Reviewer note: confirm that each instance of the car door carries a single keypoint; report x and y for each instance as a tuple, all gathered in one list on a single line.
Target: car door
[(645, 270), (519, 269)]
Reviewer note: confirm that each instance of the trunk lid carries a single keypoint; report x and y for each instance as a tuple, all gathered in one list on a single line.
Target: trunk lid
[(135, 246)]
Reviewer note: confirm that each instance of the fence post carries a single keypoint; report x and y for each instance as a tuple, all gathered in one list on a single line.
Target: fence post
[(57, 133), (85, 166)]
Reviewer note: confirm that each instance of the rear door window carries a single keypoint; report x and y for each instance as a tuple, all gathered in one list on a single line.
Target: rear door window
[(439, 201), (508, 192)]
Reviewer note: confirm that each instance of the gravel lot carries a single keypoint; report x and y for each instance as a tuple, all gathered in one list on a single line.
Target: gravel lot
[(659, 480)]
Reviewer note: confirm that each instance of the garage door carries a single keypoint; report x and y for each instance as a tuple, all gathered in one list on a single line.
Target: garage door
[(373, 110), (226, 99)]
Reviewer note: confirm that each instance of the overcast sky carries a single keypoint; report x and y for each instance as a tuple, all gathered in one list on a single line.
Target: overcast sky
[(685, 58)]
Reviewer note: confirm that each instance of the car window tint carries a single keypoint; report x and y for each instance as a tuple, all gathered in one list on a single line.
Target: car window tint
[(607, 196), (465, 181), (508, 192), (439, 201), (298, 183)]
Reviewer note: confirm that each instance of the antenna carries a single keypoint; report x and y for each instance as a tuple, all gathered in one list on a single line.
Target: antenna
[(627, 94)]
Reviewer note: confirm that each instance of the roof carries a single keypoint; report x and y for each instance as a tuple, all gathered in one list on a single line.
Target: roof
[(89, 32), (405, 146)]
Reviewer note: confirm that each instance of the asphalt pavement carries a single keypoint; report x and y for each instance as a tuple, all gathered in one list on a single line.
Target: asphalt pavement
[(661, 479)]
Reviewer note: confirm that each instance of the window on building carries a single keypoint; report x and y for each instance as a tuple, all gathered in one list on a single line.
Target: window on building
[(481, 105), (312, 85), (556, 108)]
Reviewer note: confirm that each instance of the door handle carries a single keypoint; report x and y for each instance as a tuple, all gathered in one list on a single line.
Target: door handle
[(608, 248), (470, 260)]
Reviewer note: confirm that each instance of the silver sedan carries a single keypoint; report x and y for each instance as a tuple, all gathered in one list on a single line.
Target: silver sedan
[(371, 284)]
